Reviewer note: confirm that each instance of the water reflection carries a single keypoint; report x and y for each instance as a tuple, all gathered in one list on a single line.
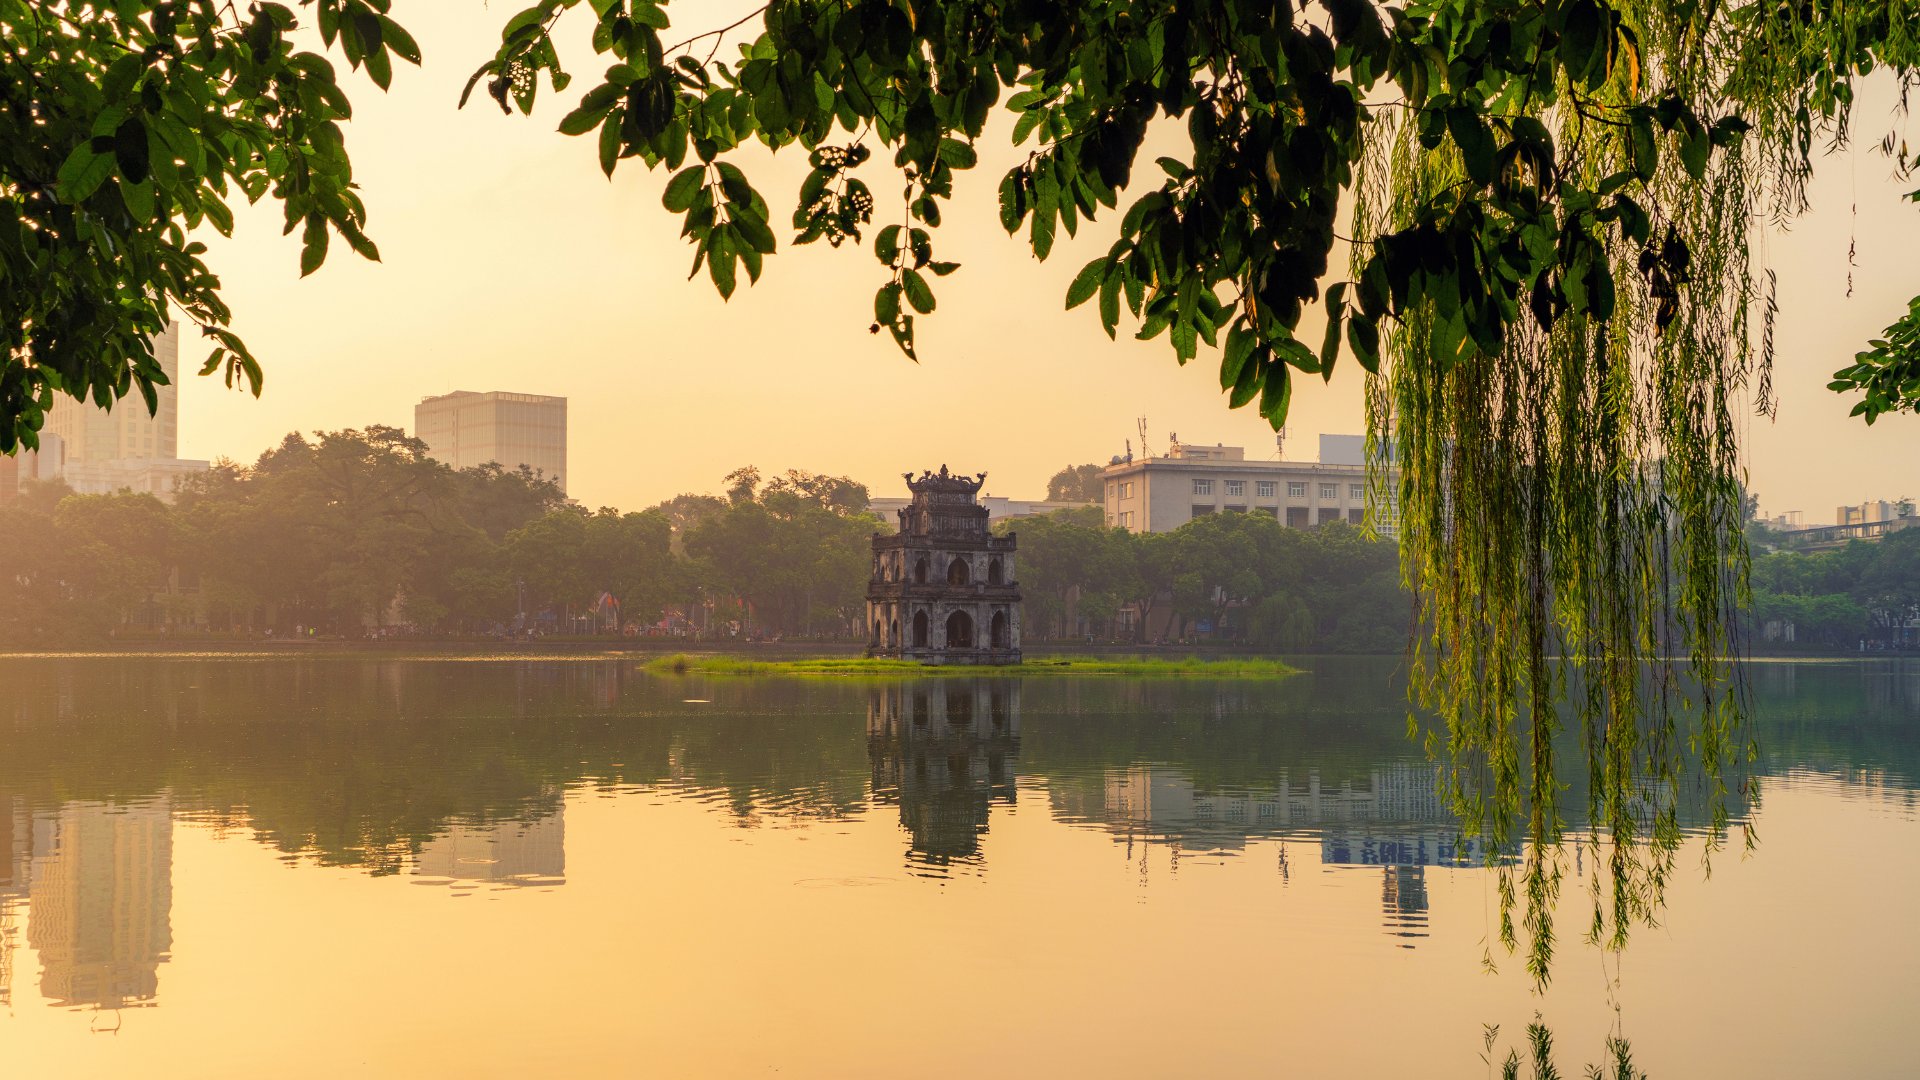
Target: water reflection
[(98, 882), (512, 853), (944, 751), (459, 774)]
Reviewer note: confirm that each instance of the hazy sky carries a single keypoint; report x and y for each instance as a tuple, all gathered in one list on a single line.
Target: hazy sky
[(510, 263)]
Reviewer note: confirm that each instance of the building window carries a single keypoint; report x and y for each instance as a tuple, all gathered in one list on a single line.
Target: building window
[(1236, 509), (1356, 517), (1265, 488), (1126, 489), (1327, 514), (1203, 487), (1296, 517), (1202, 511), (1236, 487), (1356, 491), (1126, 519), (1329, 491), (1296, 489)]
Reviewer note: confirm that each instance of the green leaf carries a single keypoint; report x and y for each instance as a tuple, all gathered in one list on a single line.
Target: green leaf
[(610, 141), (1277, 395), (1086, 283), (918, 294), (139, 200), (1246, 384), (1330, 345), (1695, 145), (720, 263), (886, 245), (1475, 140), (1013, 201), (1233, 358), (684, 188), (758, 237), (313, 249), (1645, 152), (399, 40), (1363, 337), (886, 304), (83, 172), (583, 119)]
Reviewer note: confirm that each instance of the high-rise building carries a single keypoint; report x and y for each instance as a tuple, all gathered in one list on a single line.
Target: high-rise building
[(125, 448), (126, 431), (466, 429)]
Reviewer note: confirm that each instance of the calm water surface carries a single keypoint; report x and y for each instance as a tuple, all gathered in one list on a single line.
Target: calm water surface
[(315, 867)]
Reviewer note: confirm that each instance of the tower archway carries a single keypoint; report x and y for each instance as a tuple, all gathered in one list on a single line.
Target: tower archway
[(959, 630), (919, 629), (959, 573)]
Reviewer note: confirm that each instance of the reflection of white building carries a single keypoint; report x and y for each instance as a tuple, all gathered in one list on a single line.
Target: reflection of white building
[(531, 852), (100, 899), (1391, 817)]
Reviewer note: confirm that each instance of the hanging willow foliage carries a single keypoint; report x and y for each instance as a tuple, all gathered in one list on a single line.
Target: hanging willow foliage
[(1571, 501)]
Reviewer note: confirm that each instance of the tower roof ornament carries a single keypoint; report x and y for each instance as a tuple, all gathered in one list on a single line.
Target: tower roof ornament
[(945, 482)]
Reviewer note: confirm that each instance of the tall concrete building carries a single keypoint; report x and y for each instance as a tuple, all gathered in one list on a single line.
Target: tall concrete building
[(126, 432), (1160, 494), (465, 429), (98, 451)]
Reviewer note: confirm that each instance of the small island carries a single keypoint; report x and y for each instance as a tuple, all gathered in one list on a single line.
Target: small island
[(1245, 667)]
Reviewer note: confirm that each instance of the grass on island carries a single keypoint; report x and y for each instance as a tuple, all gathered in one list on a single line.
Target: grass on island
[(1237, 667)]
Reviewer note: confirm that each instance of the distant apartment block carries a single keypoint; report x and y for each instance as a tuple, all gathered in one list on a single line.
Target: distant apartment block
[(466, 429), (999, 507), (1160, 494), (1869, 512), (1866, 521), (98, 451)]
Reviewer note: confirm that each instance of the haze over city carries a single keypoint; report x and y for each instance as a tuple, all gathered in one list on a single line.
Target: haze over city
[(564, 671), (510, 263)]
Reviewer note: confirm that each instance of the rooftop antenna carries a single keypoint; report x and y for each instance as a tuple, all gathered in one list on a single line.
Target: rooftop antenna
[(1280, 444), (1144, 452)]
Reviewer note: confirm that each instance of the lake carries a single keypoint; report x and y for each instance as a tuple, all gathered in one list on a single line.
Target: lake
[(264, 866)]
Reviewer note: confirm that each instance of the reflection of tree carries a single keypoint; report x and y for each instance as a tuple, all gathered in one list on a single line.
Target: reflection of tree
[(944, 750), (360, 763)]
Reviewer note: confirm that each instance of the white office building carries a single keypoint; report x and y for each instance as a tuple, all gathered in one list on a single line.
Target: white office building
[(100, 451), (1160, 494), (466, 429)]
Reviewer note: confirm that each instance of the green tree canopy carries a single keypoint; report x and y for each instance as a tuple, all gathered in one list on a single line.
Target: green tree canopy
[(1076, 483)]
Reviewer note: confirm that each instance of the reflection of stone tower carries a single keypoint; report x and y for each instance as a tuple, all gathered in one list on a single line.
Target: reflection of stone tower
[(531, 852), (945, 750), (1403, 900), (943, 589), (101, 897)]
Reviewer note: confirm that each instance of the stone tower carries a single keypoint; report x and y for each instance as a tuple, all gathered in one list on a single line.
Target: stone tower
[(943, 589)]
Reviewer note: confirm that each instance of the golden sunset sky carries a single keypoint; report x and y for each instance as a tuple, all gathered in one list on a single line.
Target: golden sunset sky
[(511, 263)]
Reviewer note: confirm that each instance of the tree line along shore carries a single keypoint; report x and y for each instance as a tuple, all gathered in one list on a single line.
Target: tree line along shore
[(358, 535)]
